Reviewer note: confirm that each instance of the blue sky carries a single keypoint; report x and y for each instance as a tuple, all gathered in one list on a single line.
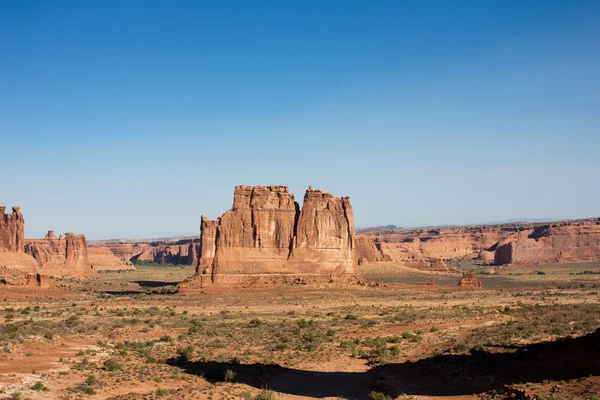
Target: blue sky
[(133, 118)]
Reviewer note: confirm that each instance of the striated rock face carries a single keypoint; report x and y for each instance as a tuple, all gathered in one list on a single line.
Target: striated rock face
[(469, 280), (208, 245), (265, 234), (576, 240), (102, 259), (12, 230), (366, 251), (551, 243), (442, 243), (183, 252), (61, 257), (16, 267)]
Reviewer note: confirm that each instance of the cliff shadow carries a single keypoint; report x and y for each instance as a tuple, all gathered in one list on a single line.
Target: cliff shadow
[(443, 375), (155, 284)]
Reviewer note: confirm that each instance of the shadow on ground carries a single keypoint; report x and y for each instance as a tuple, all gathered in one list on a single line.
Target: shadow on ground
[(155, 284), (443, 375)]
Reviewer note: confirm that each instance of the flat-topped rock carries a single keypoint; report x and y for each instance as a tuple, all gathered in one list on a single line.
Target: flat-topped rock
[(265, 234)]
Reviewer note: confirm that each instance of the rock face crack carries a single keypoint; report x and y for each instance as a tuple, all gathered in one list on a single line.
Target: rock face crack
[(285, 240)]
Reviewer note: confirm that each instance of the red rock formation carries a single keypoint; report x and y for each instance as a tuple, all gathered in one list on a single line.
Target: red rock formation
[(366, 251), (12, 228), (16, 267), (61, 257), (183, 252), (265, 235), (102, 259), (469, 280), (208, 246), (576, 240), (442, 243), (552, 243)]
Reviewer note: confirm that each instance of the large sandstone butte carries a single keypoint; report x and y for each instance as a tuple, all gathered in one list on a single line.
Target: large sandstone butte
[(16, 267), (66, 256), (266, 236), (577, 240)]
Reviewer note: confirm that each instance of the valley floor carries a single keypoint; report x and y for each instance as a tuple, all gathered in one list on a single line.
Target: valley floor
[(129, 336)]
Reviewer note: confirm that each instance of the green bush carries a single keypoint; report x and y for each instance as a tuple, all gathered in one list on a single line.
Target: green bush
[(265, 394), (379, 396), (185, 354), (39, 386), (112, 365), (229, 376)]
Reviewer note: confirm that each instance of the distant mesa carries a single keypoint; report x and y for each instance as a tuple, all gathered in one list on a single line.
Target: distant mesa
[(181, 252), (266, 237), (515, 243)]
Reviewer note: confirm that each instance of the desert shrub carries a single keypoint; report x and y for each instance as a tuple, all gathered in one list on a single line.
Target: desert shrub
[(91, 380), (39, 386), (112, 365), (229, 376), (379, 396), (265, 394), (254, 323), (164, 392), (185, 354)]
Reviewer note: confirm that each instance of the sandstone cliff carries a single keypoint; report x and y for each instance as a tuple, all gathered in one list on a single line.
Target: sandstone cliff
[(560, 242), (102, 259), (16, 267), (366, 251), (266, 235), (576, 240), (61, 257), (183, 252), (12, 230)]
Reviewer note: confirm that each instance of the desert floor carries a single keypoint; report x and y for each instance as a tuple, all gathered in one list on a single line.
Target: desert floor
[(528, 332)]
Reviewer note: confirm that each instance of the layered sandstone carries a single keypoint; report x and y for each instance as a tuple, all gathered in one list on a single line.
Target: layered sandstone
[(102, 259), (61, 257), (576, 240), (366, 251), (16, 267), (183, 252), (437, 243), (551, 243), (265, 235), (12, 230), (469, 280)]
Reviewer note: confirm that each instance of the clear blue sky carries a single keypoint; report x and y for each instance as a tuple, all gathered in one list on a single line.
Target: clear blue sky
[(133, 118)]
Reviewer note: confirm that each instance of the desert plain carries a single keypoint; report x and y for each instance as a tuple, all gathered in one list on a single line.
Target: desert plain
[(129, 335)]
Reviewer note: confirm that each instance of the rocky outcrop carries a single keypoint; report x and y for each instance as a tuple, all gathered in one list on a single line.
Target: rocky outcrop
[(182, 252), (576, 240), (102, 259), (61, 257), (208, 245), (12, 230), (551, 243), (469, 280), (366, 251), (442, 243), (266, 235), (16, 267)]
